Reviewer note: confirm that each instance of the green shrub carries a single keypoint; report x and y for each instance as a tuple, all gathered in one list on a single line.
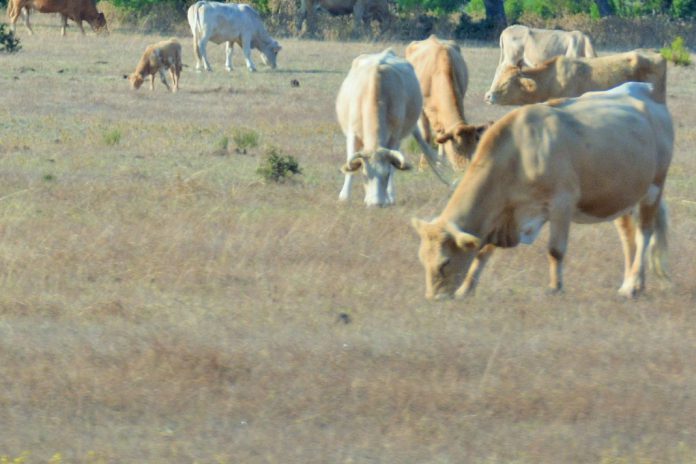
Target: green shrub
[(245, 138), (8, 42), (677, 53), (276, 167)]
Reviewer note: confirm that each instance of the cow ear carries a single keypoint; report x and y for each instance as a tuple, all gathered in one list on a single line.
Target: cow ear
[(419, 225), (528, 85), (464, 240), (397, 160)]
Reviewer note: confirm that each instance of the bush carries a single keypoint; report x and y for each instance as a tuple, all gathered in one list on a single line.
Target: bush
[(277, 168), (245, 138), (8, 42), (677, 53)]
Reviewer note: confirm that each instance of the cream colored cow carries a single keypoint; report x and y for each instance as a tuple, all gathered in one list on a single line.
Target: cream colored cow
[(443, 78), (378, 104), (557, 163), (571, 77)]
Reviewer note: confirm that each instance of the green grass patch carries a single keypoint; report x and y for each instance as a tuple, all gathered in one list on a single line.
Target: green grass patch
[(677, 53)]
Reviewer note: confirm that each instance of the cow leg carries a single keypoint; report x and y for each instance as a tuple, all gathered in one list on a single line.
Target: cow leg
[(424, 126), (24, 12), (63, 25), (79, 24), (626, 228), (152, 82), (174, 73), (202, 43), (635, 281), (228, 55), (352, 143), (359, 19), (560, 215), (163, 78), (468, 287), (246, 48)]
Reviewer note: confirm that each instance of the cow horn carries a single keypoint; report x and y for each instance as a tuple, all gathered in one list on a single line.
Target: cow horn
[(354, 163), (397, 160)]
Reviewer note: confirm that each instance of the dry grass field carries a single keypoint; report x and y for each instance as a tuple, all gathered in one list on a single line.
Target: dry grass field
[(160, 303)]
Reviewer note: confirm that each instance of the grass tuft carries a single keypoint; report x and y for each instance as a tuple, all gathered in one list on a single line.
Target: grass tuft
[(112, 137)]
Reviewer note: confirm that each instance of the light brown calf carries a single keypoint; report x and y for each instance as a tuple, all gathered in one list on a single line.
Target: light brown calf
[(158, 57)]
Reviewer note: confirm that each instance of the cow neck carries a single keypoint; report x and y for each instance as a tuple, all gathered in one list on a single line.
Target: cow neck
[(449, 104), (481, 203)]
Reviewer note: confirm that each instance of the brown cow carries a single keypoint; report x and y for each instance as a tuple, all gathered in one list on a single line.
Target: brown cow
[(77, 10), (362, 10), (571, 77), (443, 78)]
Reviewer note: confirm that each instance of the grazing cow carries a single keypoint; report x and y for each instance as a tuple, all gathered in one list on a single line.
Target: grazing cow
[(76, 10), (230, 23), (377, 106), (158, 57), (527, 47), (362, 10), (571, 77), (443, 78), (557, 163)]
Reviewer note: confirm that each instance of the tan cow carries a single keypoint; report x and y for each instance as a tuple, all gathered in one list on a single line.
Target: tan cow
[(443, 78), (156, 59), (571, 77), (76, 10), (527, 47), (377, 106), (557, 163)]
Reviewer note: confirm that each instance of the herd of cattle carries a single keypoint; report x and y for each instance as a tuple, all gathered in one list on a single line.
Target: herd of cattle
[(585, 119)]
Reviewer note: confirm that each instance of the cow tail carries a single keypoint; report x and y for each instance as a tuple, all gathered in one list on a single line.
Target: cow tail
[(658, 243), (589, 49)]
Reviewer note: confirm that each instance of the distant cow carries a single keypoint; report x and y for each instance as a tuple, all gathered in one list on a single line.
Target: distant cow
[(527, 47), (571, 77), (377, 106), (230, 23), (362, 10), (443, 78), (76, 10), (558, 163), (158, 57)]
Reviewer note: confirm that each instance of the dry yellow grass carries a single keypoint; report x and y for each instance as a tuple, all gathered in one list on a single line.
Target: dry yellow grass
[(161, 304)]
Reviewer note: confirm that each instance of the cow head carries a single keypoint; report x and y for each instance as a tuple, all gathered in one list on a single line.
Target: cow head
[(446, 253), (135, 79), (98, 24), (378, 168), (513, 87), (460, 142), (269, 53)]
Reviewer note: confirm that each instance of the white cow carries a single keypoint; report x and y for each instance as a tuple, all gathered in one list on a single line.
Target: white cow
[(230, 23), (379, 104)]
